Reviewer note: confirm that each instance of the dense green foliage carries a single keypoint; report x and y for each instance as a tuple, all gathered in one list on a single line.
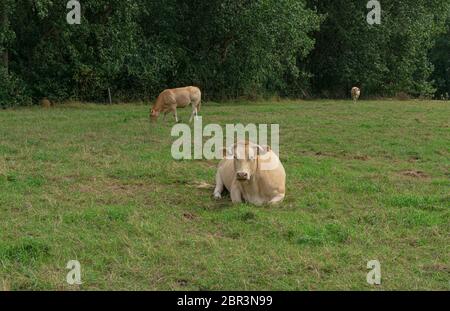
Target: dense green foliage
[(440, 56), (229, 48), (383, 59)]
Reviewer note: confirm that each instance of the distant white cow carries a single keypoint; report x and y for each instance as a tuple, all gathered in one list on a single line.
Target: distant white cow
[(355, 93)]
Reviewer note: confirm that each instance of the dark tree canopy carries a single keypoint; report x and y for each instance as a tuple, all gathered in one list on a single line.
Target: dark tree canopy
[(229, 48), (440, 57)]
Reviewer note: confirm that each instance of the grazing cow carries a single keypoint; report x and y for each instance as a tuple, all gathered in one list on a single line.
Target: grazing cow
[(45, 103), (251, 173), (170, 99), (355, 93)]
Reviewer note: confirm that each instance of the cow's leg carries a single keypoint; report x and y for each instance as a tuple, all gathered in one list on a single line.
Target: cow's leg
[(164, 117), (277, 199), (197, 108), (193, 113), (174, 109), (236, 195), (219, 187), (196, 113)]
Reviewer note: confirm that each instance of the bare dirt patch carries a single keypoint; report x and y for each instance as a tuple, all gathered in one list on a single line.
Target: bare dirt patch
[(209, 163), (414, 174), (201, 185), (361, 157), (437, 267), (189, 216), (111, 186)]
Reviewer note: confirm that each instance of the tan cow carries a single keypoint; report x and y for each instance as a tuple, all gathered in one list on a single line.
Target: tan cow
[(170, 99), (251, 173), (356, 92), (45, 103)]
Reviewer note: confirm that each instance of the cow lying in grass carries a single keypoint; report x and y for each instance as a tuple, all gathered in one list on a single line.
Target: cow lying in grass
[(169, 100), (251, 173), (355, 93)]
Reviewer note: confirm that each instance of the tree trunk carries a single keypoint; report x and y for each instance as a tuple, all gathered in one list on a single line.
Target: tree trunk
[(3, 25)]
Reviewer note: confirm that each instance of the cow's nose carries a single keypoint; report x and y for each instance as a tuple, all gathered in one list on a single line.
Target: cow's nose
[(242, 175)]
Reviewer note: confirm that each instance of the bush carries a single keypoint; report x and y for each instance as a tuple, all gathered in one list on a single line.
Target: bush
[(12, 91)]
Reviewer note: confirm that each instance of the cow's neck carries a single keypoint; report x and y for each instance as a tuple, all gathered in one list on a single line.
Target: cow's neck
[(158, 106), (250, 188)]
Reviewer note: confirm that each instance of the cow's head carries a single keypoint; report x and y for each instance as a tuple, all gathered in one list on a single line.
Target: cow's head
[(154, 115), (246, 157)]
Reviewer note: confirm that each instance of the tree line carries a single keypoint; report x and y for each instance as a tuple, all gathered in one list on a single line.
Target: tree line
[(229, 48)]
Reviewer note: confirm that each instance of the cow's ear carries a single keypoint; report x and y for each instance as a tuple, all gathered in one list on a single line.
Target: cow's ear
[(262, 150)]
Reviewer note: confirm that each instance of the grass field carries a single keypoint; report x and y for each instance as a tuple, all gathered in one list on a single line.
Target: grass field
[(97, 184)]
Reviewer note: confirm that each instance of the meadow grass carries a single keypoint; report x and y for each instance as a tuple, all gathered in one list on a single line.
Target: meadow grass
[(98, 184)]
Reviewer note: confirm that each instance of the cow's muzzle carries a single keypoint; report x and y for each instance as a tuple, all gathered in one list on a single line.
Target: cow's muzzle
[(242, 176)]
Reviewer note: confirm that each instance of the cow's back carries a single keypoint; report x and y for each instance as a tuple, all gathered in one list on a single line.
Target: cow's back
[(271, 182), (183, 96)]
